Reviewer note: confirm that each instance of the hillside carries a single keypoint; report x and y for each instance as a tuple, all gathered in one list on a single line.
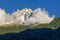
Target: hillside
[(53, 25), (13, 28)]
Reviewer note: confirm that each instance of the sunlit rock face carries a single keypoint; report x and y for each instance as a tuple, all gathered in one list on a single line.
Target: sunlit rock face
[(5, 18), (39, 16), (26, 17), (2, 16), (22, 15)]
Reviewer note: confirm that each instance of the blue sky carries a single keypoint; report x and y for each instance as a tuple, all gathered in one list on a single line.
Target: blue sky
[(52, 6)]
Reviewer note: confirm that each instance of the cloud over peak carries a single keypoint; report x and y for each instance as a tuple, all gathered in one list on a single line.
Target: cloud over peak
[(26, 16)]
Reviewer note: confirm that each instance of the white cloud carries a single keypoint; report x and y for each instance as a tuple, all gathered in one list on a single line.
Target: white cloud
[(26, 16), (5, 18), (39, 17)]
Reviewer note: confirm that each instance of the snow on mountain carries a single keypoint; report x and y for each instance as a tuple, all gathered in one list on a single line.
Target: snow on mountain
[(39, 16), (5, 18), (22, 15), (26, 17)]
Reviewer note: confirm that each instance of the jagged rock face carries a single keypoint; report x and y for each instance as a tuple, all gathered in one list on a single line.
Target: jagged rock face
[(39, 16), (5, 18), (2, 17), (26, 16), (22, 15)]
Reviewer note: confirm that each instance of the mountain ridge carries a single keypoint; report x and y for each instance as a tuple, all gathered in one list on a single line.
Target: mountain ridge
[(13, 28), (26, 16)]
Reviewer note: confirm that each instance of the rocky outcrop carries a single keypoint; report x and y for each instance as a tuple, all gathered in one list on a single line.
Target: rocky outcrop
[(26, 17)]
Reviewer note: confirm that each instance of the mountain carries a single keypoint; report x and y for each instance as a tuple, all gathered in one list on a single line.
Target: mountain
[(53, 25), (25, 16), (21, 20), (13, 28)]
